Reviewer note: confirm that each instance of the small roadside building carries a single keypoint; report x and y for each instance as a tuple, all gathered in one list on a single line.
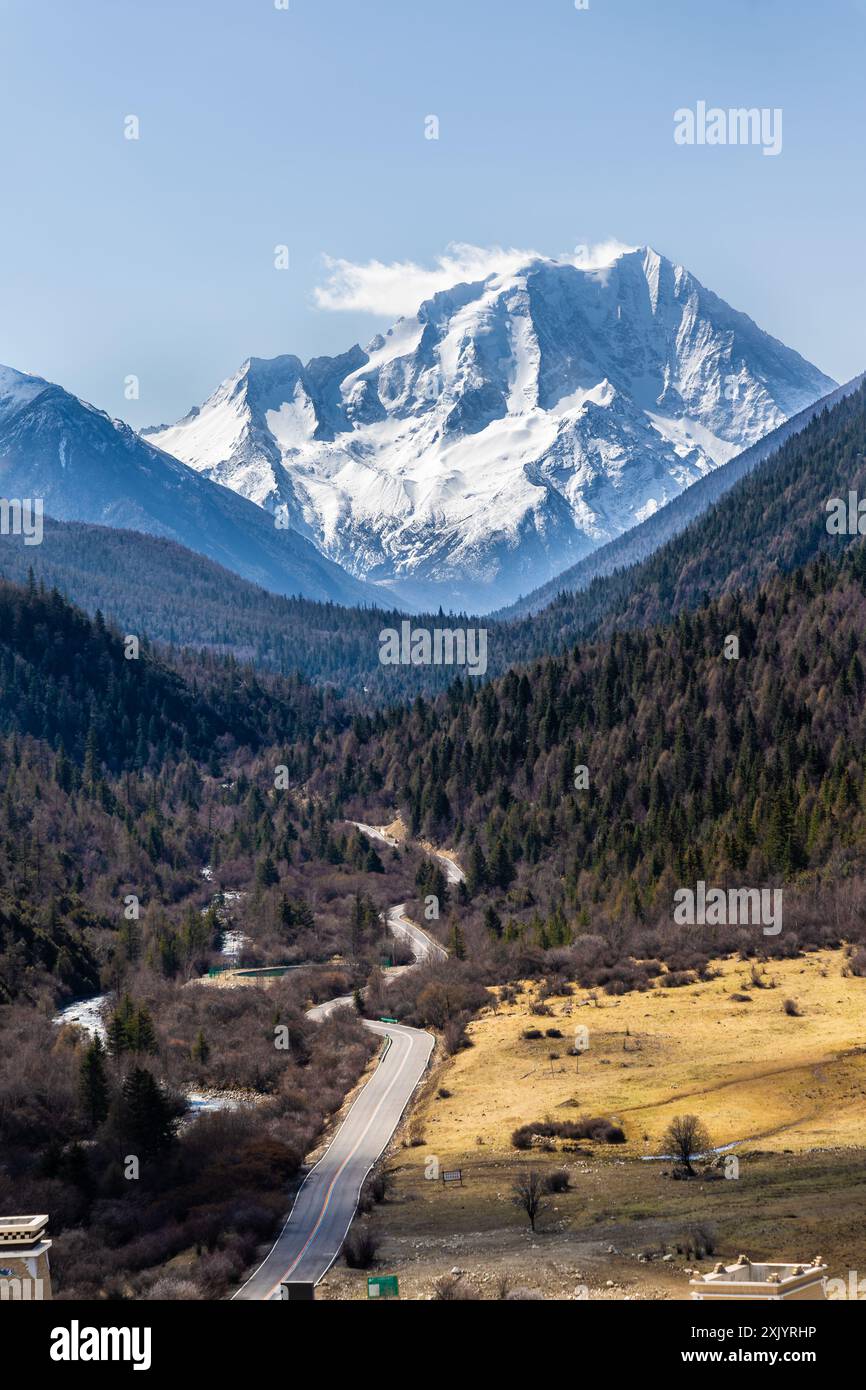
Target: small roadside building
[(24, 1246)]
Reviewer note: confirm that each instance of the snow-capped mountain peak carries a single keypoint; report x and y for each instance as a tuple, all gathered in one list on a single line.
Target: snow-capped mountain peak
[(490, 440)]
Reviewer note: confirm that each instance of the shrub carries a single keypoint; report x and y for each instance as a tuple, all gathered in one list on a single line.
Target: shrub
[(449, 1288), (677, 979), (603, 1132), (215, 1272), (858, 962), (621, 977), (697, 1242), (557, 1181), (454, 1035), (792, 1008), (532, 1033), (586, 1127), (360, 1248), (168, 1289), (378, 1186)]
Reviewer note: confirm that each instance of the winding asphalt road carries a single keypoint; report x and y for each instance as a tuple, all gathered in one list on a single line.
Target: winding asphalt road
[(311, 1238), (422, 946), (323, 1210)]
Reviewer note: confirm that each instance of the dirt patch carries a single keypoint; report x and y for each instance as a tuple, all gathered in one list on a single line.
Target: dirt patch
[(608, 1236)]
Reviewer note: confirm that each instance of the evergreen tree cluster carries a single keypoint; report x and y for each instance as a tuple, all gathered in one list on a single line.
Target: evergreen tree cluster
[(751, 769)]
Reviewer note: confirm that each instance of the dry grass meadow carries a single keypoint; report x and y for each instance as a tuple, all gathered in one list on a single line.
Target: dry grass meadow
[(790, 1089)]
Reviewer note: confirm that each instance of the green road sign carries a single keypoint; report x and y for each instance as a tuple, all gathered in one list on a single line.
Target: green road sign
[(383, 1286)]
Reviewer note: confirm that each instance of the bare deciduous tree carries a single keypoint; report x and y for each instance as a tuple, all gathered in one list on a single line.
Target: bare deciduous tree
[(529, 1193), (686, 1136)]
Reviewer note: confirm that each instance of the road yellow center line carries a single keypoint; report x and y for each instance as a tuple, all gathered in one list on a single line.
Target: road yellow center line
[(349, 1156)]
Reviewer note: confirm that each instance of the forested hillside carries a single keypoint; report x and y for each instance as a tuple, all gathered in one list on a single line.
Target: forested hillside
[(749, 770), (149, 585), (146, 821), (697, 765), (128, 776), (77, 684)]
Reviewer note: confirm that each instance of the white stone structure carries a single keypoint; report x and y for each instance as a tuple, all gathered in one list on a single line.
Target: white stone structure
[(746, 1281), (24, 1246)]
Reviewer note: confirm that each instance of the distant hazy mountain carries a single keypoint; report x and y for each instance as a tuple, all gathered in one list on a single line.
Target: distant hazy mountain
[(88, 467), (505, 430)]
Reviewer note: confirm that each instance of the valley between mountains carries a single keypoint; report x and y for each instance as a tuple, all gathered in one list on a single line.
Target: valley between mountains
[(205, 764)]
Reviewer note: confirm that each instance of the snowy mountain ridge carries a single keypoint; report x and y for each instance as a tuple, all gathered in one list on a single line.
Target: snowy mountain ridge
[(84, 466), (508, 428)]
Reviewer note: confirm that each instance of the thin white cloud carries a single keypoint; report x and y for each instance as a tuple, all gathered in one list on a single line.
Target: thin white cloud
[(396, 288), (602, 253)]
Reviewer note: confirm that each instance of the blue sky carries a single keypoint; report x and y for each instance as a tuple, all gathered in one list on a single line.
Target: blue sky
[(305, 127)]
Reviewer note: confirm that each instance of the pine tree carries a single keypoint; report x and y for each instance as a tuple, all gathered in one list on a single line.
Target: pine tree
[(142, 1034), (501, 869), (458, 941), (130, 939), (90, 774), (266, 874), (93, 1083), (146, 1119), (476, 870), (119, 1027), (493, 922)]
